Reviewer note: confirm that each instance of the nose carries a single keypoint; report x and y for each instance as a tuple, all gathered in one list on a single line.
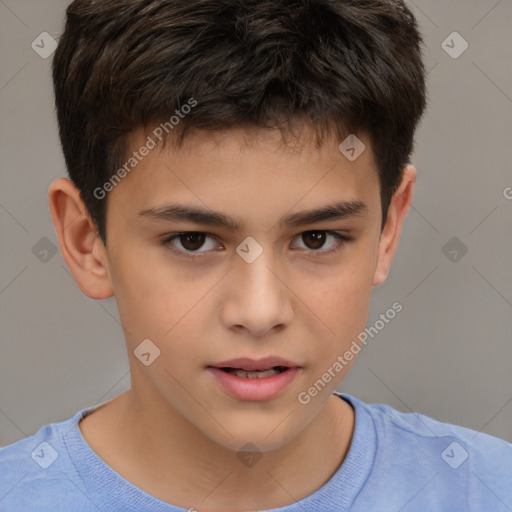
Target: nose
[(260, 300)]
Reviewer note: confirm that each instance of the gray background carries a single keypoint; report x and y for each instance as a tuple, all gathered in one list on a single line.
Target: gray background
[(448, 354)]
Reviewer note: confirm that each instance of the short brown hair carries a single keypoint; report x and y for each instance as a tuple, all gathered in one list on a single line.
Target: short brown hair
[(346, 66)]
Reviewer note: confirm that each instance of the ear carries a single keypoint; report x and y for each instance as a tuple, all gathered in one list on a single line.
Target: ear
[(80, 245), (398, 208)]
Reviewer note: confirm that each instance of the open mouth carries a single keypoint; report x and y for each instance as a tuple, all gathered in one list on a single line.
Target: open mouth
[(254, 374), (264, 380)]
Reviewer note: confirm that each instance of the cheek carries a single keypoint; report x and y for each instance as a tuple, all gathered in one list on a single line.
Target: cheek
[(342, 300), (142, 294), (159, 301), (346, 312)]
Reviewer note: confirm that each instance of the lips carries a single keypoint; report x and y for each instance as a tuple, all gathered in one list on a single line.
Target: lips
[(266, 363), (259, 383)]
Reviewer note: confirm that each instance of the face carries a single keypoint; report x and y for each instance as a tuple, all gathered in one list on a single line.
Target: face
[(271, 282)]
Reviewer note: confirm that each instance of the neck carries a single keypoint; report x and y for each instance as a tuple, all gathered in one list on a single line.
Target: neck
[(162, 453)]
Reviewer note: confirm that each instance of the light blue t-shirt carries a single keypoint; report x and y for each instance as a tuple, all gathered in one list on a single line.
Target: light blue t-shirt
[(397, 462)]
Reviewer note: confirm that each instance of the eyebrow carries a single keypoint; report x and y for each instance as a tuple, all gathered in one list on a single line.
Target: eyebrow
[(178, 212)]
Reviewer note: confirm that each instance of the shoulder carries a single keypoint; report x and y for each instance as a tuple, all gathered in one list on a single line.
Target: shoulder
[(419, 429), (35, 451), (454, 463), (38, 469)]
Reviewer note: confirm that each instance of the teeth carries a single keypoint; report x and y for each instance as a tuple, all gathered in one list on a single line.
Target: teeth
[(256, 374)]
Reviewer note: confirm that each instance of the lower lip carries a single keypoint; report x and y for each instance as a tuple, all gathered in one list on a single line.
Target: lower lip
[(257, 389)]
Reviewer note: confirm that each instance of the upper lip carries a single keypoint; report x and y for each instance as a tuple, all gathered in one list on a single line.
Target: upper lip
[(245, 363)]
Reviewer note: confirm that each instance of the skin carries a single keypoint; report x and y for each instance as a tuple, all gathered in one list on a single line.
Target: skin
[(176, 433)]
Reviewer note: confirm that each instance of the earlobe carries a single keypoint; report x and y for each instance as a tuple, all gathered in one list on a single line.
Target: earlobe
[(390, 236), (81, 247)]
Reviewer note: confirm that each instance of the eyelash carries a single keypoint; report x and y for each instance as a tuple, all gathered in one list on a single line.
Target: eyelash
[(341, 240)]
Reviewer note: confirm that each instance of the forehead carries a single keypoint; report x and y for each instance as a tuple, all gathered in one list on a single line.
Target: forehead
[(255, 167)]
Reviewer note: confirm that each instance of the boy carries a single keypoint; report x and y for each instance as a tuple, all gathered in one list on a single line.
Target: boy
[(276, 136)]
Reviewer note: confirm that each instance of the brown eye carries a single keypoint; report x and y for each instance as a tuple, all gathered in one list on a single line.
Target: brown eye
[(317, 242), (188, 243), (314, 239), (192, 241)]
